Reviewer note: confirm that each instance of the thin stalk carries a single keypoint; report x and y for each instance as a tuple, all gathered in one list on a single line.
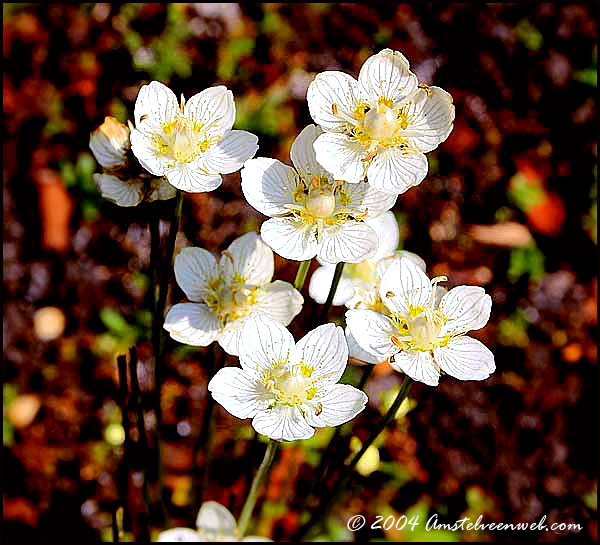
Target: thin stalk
[(301, 274), (115, 526), (123, 470), (260, 476), (323, 509), (334, 284)]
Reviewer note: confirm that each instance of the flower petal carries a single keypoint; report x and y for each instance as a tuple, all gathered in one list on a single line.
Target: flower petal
[(384, 263), (195, 268), (320, 284), (467, 309), (109, 143), (229, 338), (290, 238), (386, 75), (404, 286), (179, 535), (465, 358), (340, 403), (215, 518), (303, 153), (365, 197), (396, 172), (351, 242), (192, 323), (161, 190), (257, 538), (279, 300), (342, 156), (155, 106), (268, 184), (356, 351), (145, 152), (417, 365), (238, 392), (123, 193), (230, 153), (332, 99), (282, 423), (248, 260), (212, 109), (191, 177), (373, 332), (388, 234)]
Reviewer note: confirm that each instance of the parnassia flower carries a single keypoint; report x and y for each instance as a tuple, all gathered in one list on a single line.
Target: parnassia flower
[(190, 143), (381, 126), (423, 334), (226, 293), (312, 214), (288, 388), (123, 181), (215, 523)]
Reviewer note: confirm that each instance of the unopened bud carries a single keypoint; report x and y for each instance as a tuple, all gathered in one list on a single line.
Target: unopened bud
[(110, 143)]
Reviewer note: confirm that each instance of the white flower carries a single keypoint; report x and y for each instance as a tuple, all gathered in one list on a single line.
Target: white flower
[(190, 143), (215, 523), (226, 293), (424, 334), (380, 126), (287, 388), (121, 182), (312, 214)]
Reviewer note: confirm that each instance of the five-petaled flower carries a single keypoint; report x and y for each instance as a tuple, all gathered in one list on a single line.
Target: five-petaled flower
[(423, 334), (380, 126), (190, 143), (312, 214), (226, 293), (288, 389)]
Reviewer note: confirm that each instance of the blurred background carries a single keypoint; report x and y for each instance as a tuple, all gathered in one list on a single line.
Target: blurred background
[(509, 204)]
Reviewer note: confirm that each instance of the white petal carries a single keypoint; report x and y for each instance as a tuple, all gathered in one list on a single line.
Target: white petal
[(179, 535), (290, 238), (430, 118), (214, 517), (393, 171), (191, 177), (257, 538), (268, 184), (282, 423), (388, 234), (155, 106), (192, 323), (161, 190), (320, 284), (195, 268), (467, 309), (340, 403), (342, 156), (465, 358), (404, 286), (373, 332), (328, 89), (264, 344), (145, 152), (387, 75), (356, 351), (351, 242), (365, 197), (230, 153), (253, 262), (279, 300), (109, 143), (229, 338), (239, 393), (303, 153), (325, 352), (417, 365), (123, 193), (384, 263), (213, 109)]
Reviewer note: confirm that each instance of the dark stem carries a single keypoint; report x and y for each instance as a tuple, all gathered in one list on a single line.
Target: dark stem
[(123, 471), (301, 274), (334, 284)]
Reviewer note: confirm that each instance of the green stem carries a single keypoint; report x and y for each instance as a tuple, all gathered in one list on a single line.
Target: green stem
[(301, 274), (327, 503), (253, 494), (334, 284)]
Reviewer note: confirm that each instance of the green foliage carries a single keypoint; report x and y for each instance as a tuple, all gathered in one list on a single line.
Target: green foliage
[(264, 114), (230, 56), (529, 35), (589, 75), (9, 394), (526, 260), (79, 178), (590, 220), (512, 331), (523, 194)]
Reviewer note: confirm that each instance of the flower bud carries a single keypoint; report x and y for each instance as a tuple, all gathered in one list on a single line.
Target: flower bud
[(110, 143)]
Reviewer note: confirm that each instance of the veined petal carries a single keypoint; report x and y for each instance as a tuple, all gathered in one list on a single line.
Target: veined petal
[(268, 185), (387, 76), (239, 393), (417, 365), (229, 337), (279, 300), (351, 242), (282, 423), (195, 268), (145, 152), (396, 172), (388, 234), (230, 153), (192, 323), (161, 190), (404, 286), (324, 353), (212, 109), (179, 535), (373, 332), (384, 263), (342, 156), (109, 143), (358, 352), (303, 153), (215, 518), (320, 284), (365, 197), (155, 106), (248, 260), (467, 308), (465, 358), (340, 403), (332, 100), (123, 193), (290, 238), (191, 177), (264, 344)]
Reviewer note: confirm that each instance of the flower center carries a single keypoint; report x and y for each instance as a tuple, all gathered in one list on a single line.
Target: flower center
[(230, 302), (381, 123), (181, 140), (289, 385), (420, 331), (320, 202)]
